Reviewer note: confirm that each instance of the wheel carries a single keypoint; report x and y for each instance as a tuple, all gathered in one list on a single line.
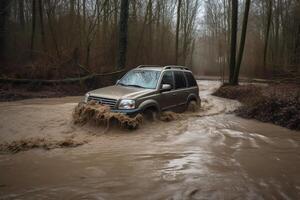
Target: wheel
[(150, 114), (192, 106)]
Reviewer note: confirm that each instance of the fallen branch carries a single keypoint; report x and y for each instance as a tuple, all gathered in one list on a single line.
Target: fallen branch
[(83, 68), (58, 81)]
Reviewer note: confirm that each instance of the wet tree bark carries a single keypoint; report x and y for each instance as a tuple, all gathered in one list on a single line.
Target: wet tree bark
[(4, 12), (41, 14), (123, 34), (21, 14), (234, 21), (270, 8), (33, 27), (177, 31), (242, 44)]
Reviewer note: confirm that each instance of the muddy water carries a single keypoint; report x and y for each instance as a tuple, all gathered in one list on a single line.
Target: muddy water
[(211, 154)]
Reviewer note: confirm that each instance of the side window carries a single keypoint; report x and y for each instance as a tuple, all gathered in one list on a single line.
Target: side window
[(190, 79), (168, 78), (180, 81)]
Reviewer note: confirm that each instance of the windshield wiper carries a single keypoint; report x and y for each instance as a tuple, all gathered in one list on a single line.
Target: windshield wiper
[(122, 84), (136, 86)]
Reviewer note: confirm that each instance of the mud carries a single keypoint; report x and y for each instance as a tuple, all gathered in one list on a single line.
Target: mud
[(100, 114), (42, 143), (170, 116), (208, 154), (278, 104)]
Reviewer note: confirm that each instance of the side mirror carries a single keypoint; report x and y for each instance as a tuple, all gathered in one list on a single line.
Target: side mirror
[(165, 87)]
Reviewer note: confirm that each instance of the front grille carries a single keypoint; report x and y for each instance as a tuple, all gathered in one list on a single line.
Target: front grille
[(104, 101)]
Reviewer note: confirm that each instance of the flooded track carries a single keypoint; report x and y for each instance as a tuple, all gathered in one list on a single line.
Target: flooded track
[(211, 154)]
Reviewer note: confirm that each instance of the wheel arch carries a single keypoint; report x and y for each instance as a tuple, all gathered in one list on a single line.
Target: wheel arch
[(149, 104), (193, 97)]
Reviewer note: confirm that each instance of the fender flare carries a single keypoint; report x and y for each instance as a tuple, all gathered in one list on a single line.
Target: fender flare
[(149, 103)]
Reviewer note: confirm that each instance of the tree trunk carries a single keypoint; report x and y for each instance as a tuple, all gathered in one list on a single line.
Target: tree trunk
[(4, 12), (185, 21), (21, 14), (228, 32), (72, 8), (234, 21), (84, 11), (105, 20), (50, 16), (270, 8), (150, 21), (41, 14), (140, 40), (177, 31), (33, 26), (123, 34), (242, 43)]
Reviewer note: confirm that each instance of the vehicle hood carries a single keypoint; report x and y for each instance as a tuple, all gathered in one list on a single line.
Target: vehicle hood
[(120, 92)]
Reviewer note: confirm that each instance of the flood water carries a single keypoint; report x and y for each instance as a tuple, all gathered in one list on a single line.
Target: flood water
[(211, 154)]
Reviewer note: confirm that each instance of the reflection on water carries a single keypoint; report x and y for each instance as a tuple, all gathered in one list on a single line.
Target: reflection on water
[(208, 155)]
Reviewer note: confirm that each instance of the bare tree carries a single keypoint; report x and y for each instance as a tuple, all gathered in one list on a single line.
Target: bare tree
[(123, 29), (242, 44), (177, 30), (4, 12), (269, 18), (42, 28), (234, 22), (33, 19), (21, 14)]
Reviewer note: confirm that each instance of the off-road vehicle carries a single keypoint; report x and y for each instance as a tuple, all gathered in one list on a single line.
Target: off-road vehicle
[(149, 90)]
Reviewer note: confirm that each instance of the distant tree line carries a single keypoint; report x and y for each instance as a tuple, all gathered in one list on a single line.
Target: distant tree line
[(272, 42), (52, 37)]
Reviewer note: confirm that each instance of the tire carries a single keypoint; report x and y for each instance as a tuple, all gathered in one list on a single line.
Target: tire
[(150, 114), (192, 106)]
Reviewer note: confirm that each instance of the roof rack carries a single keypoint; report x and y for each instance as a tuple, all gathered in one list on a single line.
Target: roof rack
[(176, 67), (142, 66)]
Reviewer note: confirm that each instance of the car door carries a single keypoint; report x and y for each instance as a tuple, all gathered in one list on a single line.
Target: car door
[(180, 88), (168, 98), (192, 84)]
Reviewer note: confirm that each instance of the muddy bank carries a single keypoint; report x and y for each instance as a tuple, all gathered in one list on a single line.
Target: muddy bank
[(13, 92), (275, 103), (24, 87)]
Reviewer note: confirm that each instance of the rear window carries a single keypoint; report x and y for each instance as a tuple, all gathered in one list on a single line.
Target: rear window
[(180, 81), (190, 79)]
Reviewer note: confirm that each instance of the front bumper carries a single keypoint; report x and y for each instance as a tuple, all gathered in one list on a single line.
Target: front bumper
[(130, 113)]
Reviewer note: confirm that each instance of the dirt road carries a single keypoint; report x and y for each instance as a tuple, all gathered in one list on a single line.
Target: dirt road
[(206, 155)]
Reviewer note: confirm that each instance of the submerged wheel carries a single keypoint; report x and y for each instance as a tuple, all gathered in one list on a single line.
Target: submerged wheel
[(150, 114), (192, 106)]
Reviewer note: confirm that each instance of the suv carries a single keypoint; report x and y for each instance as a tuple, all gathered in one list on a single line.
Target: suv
[(149, 90)]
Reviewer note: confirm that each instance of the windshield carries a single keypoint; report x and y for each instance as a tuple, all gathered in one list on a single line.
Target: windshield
[(141, 78)]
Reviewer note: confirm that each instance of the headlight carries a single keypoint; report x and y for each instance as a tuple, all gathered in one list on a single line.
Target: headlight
[(127, 104), (86, 97)]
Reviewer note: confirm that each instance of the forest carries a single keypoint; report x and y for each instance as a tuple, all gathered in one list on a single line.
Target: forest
[(57, 39), (53, 39), (149, 99)]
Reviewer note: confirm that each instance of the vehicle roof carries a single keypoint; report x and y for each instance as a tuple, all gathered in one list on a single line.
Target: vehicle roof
[(150, 68), (161, 68)]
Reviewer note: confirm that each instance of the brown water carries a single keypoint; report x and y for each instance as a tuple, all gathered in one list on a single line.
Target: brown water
[(211, 154)]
